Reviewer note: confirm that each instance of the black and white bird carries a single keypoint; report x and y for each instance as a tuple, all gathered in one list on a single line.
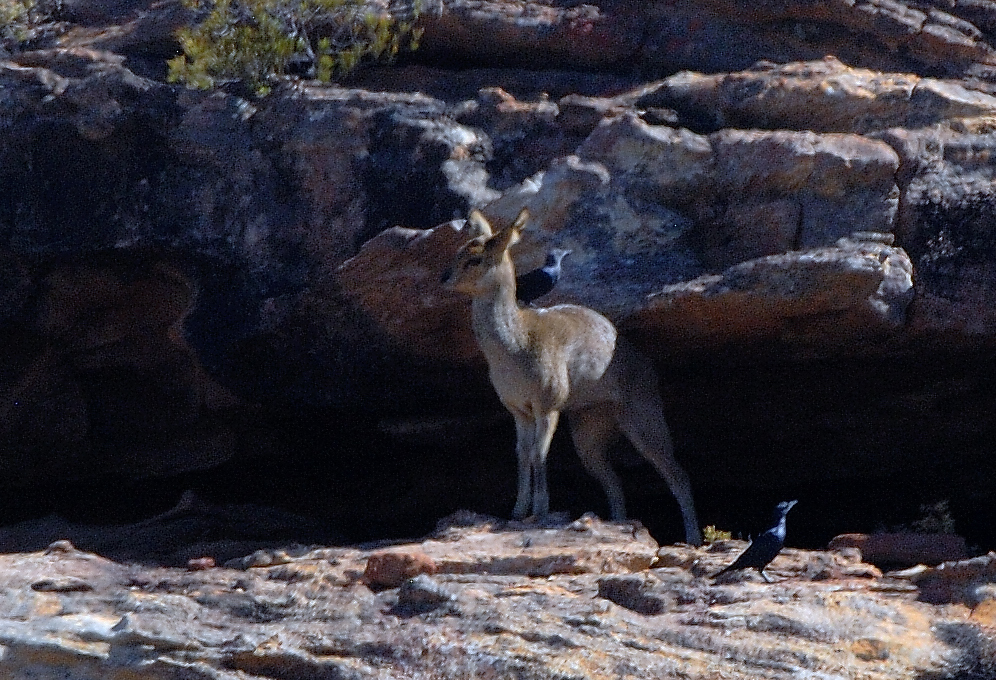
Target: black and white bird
[(539, 282), (765, 547)]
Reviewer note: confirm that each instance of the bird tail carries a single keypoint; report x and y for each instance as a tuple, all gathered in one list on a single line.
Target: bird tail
[(722, 571)]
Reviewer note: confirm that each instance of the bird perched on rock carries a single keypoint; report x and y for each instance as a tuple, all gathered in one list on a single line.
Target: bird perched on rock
[(765, 547), (539, 282)]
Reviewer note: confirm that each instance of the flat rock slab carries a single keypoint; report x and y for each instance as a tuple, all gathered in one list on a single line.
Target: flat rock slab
[(575, 599), (584, 546), (476, 544)]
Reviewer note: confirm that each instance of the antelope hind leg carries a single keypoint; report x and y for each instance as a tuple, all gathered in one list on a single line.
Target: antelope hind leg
[(592, 430), (645, 426)]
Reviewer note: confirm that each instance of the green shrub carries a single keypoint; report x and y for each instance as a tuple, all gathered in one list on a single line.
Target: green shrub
[(16, 19), (937, 519), (711, 534), (253, 40)]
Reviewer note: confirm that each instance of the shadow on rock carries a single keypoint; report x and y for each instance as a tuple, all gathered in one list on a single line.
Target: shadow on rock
[(191, 530)]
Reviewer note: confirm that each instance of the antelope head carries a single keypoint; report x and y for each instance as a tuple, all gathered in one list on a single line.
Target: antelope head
[(483, 253)]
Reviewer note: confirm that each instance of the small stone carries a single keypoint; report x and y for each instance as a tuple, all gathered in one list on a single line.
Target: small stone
[(200, 563), (670, 556), (985, 592), (984, 613), (582, 523), (260, 558), (870, 649), (849, 555), (392, 569), (62, 546)]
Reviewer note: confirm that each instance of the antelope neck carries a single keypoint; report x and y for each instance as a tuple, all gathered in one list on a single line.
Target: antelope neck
[(496, 316)]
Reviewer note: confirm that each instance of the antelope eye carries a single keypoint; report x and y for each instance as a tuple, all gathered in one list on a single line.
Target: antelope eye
[(474, 261)]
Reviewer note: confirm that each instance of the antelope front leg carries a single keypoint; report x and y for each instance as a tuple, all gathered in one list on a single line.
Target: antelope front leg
[(546, 425), (525, 430)]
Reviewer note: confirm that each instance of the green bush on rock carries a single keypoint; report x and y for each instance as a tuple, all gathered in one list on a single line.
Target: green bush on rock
[(254, 40), (17, 18)]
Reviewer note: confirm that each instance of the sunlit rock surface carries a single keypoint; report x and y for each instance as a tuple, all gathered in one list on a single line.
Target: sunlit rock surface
[(579, 599)]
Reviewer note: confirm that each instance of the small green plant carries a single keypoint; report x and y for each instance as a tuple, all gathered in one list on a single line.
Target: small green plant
[(17, 17), (254, 40), (937, 519), (711, 534)]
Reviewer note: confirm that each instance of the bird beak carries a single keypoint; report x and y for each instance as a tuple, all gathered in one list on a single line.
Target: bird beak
[(791, 505)]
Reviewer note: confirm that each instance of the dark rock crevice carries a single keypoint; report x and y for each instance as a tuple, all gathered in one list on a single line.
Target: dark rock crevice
[(837, 438)]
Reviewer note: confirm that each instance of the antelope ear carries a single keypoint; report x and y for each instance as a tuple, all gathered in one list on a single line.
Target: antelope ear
[(477, 225), (520, 220), (502, 241), (507, 237)]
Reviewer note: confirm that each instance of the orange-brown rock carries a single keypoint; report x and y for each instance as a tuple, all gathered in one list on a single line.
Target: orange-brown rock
[(849, 100), (395, 280), (533, 33), (903, 549), (859, 289), (201, 563), (174, 298), (389, 569), (953, 38), (885, 35)]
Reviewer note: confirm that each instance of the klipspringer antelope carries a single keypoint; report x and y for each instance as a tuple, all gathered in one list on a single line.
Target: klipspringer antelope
[(543, 361)]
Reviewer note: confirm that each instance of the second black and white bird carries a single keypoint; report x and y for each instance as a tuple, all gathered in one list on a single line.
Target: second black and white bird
[(765, 547), (539, 282)]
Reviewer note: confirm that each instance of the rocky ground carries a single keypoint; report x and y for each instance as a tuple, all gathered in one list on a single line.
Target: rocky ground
[(482, 598)]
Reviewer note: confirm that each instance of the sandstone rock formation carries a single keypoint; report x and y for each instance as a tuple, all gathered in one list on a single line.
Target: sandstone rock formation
[(788, 207), (585, 599)]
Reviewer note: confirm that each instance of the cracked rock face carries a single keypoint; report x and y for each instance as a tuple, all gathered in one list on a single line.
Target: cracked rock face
[(851, 292), (638, 202)]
